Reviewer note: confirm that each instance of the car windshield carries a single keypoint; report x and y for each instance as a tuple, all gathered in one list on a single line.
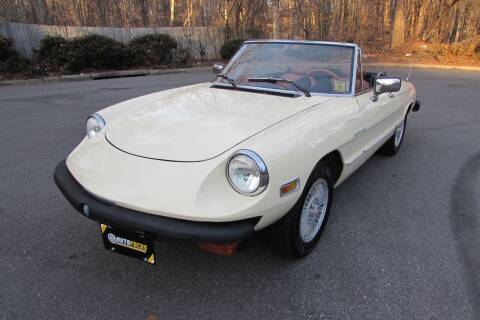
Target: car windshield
[(317, 68)]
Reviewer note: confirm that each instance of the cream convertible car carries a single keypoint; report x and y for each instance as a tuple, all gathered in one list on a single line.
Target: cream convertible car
[(262, 147)]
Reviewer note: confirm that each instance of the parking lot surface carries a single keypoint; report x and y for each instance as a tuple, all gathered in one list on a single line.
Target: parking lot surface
[(403, 239)]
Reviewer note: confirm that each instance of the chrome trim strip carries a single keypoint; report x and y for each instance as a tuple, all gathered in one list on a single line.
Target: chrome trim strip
[(345, 44), (356, 54), (370, 147), (360, 132), (363, 92)]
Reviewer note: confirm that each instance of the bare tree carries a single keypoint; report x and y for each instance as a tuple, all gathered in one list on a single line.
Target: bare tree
[(275, 19), (398, 33), (376, 23), (172, 12)]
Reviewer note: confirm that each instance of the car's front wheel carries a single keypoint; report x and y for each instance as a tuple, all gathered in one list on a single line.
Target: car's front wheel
[(297, 233)]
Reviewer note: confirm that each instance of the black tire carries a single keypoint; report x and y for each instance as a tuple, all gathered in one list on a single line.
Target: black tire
[(284, 234), (390, 148)]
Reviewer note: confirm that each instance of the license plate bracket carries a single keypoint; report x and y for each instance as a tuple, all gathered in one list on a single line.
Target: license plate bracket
[(133, 244)]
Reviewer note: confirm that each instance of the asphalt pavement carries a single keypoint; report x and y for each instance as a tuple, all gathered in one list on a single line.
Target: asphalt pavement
[(403, 239)]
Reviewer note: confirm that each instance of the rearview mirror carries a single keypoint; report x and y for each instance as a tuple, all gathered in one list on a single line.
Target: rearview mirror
[(383, 85), (218, 68)]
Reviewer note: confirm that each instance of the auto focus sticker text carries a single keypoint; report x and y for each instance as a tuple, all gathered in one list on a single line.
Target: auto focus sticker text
[(138, 246)]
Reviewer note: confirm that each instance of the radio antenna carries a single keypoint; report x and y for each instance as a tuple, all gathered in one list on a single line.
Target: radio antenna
[(409, 73)]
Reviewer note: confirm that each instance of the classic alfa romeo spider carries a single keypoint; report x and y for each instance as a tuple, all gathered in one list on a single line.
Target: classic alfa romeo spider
[(261, 147)]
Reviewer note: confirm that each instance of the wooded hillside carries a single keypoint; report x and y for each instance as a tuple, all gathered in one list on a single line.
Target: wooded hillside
[(378, 24)]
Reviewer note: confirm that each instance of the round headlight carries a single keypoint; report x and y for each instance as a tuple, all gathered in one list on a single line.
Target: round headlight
[(95, 124), (247, 173)]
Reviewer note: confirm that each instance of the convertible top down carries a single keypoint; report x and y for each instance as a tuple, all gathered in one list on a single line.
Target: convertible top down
[(261, 147)]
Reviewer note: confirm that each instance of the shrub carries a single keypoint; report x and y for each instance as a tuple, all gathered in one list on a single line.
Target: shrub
[(229, 48), (6, 49), (182, 57), (15, 65), (153, 49), (477, 50), (54, 52), (10, 61), (98, 53)]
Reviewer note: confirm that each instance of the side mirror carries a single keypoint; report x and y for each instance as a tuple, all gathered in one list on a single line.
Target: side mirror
[(218, 68), (383, 85)]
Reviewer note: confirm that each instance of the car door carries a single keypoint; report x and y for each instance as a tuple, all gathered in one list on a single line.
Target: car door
[(378, 118), (372, 124)]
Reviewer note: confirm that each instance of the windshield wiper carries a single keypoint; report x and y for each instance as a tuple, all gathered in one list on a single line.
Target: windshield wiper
[(230, 80), (280, 80)]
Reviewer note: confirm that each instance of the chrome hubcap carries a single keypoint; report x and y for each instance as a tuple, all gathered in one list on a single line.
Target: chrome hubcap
[(314, 210), (399, 133)]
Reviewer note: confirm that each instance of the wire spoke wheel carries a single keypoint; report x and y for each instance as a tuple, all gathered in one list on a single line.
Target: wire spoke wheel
[(298, 232), (314, 210)]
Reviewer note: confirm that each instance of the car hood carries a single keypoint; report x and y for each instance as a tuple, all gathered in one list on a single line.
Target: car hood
[(199, 123)]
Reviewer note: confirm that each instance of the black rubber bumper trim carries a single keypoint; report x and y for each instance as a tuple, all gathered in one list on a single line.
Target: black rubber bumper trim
[(417, 105), (156, 226)]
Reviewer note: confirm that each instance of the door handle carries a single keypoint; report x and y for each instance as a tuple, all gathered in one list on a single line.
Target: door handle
[(391, 95)]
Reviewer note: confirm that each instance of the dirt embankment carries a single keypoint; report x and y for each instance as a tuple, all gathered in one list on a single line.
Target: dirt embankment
[(465, 53)]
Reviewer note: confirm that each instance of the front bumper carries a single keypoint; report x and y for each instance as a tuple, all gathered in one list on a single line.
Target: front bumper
[(157, 226)]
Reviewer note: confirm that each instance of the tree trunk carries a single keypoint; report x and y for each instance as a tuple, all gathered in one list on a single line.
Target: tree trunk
[(386, 16), (144, 12), (292, 18), (342, 16), (420, 25), (33, 10), (460, 21), (188, 19), (172, 12), (275, 19), (101, 13), (201, 8), (225, 14), (398, 33)]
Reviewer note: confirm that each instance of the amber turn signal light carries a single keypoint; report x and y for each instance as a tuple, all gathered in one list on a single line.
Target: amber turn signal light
[(290, 187), (224, 249)]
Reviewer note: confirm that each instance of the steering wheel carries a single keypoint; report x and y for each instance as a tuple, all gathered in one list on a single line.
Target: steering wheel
[(316, 72)]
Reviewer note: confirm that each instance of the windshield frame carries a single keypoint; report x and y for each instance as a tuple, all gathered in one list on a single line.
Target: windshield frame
[(355, 48)]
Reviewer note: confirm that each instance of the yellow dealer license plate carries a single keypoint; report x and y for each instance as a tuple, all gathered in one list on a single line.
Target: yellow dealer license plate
[(132, 244)]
